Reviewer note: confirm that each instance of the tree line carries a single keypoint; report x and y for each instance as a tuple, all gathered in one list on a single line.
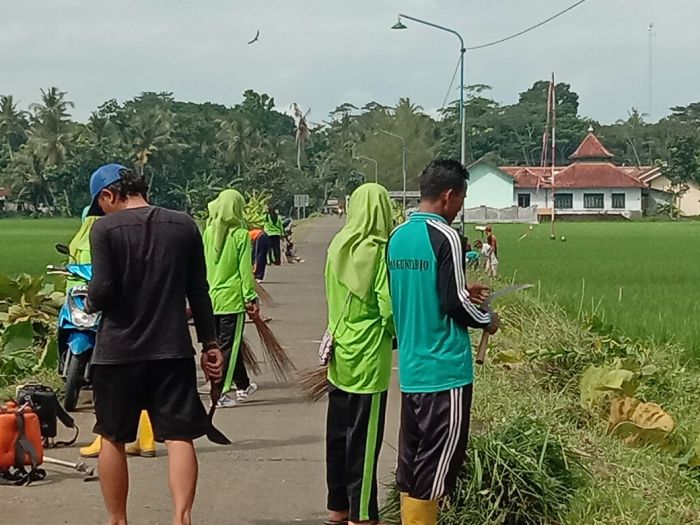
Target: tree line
[(190, 151)]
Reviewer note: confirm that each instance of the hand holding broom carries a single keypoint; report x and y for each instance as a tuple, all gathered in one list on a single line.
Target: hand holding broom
[(212, 363)]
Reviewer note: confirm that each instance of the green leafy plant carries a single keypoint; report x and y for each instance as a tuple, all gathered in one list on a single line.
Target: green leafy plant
[(519, 474), (28, 310), (28, 298), (256, 208)]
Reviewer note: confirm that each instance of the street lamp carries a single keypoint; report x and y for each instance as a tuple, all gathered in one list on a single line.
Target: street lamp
[(462, 50), (376, 165), (403, 160)]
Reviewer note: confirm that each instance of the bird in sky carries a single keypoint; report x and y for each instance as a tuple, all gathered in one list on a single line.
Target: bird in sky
[(256, 39)]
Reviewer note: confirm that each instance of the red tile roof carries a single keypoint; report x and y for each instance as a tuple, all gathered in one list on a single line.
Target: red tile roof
[(591, 148), (579, 175), (595, 175), (591, 169)]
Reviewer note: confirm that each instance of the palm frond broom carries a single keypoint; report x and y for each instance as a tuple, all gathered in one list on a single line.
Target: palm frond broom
[(313, 383), (249, 359), (276, 356), (264, 295)]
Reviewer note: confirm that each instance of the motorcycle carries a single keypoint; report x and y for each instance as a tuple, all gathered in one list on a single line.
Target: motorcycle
[(77, 331)]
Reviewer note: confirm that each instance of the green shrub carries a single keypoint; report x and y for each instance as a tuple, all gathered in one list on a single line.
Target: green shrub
[(519, 474)]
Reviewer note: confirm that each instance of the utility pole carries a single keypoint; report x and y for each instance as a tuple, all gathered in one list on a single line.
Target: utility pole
[(650, 109)]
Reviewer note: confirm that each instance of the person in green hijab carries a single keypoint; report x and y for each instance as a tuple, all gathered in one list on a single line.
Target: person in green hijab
[(361, 324), (228, 254)]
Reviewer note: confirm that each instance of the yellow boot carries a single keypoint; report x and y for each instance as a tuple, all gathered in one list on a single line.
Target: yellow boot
[(418, 511), (92, 450), (145, 444)]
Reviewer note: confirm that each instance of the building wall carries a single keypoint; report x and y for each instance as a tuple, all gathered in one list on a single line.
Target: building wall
[(543, 199), (690, 202), (489, 186)]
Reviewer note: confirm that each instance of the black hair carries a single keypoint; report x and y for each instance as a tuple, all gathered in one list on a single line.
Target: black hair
[(131, 183), (442, 175), (272, 211)]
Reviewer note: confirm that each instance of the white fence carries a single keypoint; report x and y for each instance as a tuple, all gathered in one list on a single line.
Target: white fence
[(484, 214)]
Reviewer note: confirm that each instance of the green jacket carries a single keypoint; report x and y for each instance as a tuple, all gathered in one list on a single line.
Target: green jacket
[(362, 354), (274, 227), (357, 291), (431, 305), (79, 249), (231, 283)]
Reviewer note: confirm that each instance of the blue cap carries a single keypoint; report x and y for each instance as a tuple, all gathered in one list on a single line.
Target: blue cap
[(103, 177)]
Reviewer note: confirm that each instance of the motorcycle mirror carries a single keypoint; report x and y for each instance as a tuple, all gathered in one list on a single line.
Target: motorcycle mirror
[(62, 248)]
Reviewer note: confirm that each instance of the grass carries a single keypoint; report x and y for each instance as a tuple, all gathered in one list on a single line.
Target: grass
[(641, 277), (27, 245), (533, 371)]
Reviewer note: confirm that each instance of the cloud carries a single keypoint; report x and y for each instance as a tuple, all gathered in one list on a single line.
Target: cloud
[(322, 53)]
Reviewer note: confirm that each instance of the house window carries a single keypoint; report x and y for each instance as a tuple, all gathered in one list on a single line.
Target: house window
[(563, 201), (618, 201), (524, 200), (593, 201)]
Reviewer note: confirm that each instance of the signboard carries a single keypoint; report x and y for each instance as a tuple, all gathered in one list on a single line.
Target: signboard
[(301, 201)]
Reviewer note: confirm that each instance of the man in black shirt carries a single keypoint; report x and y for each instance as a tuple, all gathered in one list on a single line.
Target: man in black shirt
[(147, 261)]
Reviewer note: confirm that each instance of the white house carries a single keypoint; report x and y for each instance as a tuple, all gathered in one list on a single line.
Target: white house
[(659, 192), (489, 186), (590, 185)]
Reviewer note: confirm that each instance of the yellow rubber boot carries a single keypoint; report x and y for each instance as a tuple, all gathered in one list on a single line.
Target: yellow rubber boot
[(418, 511), (145, 444), (92, 450)]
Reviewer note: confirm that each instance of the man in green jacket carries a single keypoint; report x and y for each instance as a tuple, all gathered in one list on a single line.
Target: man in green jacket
[(360, 320), (433, 308), (275, 231), (228, 253)]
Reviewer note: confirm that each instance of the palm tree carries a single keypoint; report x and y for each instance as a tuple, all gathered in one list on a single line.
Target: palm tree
[(51, 131), (31, 183), (149, 131), (302, 134), (235, 137), (406, 107), (633, 128), (13, 123)]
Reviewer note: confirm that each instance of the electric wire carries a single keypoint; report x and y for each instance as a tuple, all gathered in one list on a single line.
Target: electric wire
[(454, 75), (520, 33)]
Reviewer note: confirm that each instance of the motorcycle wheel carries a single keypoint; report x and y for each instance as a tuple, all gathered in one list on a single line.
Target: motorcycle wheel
[(75, 379)]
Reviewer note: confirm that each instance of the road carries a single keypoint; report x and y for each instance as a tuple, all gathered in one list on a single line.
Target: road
[(273, 473)]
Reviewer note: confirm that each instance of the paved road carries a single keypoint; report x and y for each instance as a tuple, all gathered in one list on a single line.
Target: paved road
[(272, 474)]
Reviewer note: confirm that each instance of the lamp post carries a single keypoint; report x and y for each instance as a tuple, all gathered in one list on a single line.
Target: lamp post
[(462, 50), (376, 165), (403, 160)]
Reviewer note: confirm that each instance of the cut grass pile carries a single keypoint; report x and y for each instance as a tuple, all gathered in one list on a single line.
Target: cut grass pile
[(27, 245), (641, 277)]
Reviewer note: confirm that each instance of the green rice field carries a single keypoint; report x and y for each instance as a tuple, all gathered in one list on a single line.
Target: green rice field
[(27, 245), (642, 277)]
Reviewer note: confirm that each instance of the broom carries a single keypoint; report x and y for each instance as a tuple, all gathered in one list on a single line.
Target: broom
[(313, 383), (249, 360), (275, 355), (264, 295)]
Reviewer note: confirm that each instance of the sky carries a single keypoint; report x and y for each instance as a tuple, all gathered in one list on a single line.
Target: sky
[(321, 53)]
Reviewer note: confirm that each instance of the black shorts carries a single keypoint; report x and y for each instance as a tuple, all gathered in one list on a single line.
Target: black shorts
[(432, 441), (166, 388)]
